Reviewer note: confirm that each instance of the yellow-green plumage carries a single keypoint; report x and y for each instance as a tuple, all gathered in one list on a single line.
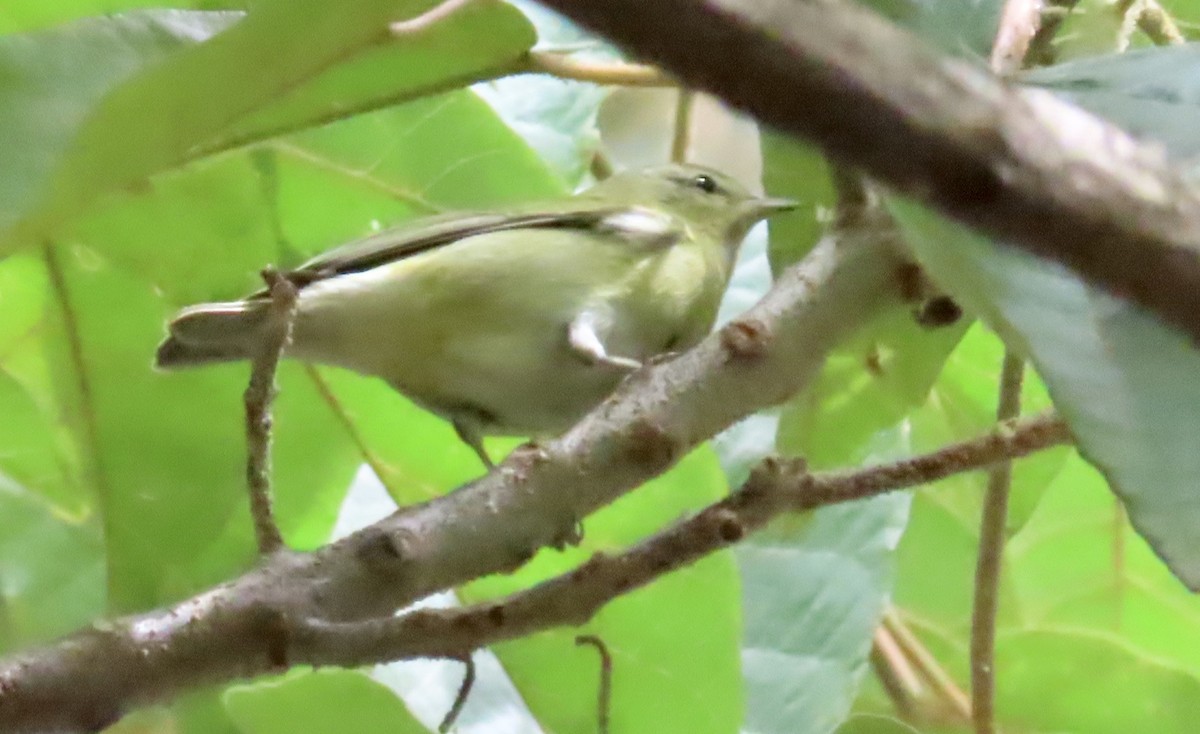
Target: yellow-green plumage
[(516, 322)]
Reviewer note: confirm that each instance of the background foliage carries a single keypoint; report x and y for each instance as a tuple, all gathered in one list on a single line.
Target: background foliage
[(145, 166)]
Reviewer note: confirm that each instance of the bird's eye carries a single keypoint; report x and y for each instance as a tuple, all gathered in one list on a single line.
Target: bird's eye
[(705, 183)]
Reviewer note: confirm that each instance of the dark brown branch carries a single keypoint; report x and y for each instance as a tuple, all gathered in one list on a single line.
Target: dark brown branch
[(992, 528), (260, 393), (604, 692), (1019, 165), (460, 700), (221, 634)]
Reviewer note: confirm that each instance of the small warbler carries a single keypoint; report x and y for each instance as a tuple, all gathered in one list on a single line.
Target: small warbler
[(515, 322)]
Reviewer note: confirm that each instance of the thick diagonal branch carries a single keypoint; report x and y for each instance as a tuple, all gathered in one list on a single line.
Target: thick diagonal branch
[(1017, 164), (248, 626)]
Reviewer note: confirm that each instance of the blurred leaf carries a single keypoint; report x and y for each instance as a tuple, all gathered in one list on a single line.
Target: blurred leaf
[(556, 117), (866, 385), (963, 27), (165, 453), (875, 724), (28, 445), (314, 63), (674, 643), (1098, 686), (53, 79), (1153, 93), (813, 590), (26, 15), (1078, 564), (797, 171), (319, 702), (1126, 383), (51, 570)]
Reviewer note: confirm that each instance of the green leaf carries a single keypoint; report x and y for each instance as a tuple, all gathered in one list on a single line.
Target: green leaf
[(813, 591), (795, 170), (1125, 382), (674, 643), (313, 63), (319, 702), (1065, 680), (1078, 564), (966, 27), (165, 453), (53, 80), (875, 724), (1152, 93), (51, 569)]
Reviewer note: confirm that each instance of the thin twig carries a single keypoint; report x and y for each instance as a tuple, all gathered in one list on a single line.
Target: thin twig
[(681, 139), (927, 665), (991, 557), (258, 397), (604, 695), (429, 18), (1150, 18), (895, 673), (460, 700), (616, 73), (1041, 51), (1019, 24)]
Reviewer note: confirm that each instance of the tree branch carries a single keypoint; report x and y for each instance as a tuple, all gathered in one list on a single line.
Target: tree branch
[(285, 611), (776, 486), (992, 528), (260, 393), (1017, 164)]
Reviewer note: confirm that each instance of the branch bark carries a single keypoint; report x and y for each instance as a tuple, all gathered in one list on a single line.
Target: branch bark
[(278, 614), (1017, 164)]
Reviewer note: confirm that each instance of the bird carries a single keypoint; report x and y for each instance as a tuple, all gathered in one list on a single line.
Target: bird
[(507, 322)]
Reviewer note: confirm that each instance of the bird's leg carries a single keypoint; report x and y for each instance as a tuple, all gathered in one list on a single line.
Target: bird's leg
[(469, 434), (585, 341)]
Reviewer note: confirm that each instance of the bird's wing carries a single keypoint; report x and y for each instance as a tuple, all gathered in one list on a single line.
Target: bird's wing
[(632, 223)]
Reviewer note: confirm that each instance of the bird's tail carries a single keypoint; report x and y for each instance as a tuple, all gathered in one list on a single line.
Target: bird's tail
[(212, 332)]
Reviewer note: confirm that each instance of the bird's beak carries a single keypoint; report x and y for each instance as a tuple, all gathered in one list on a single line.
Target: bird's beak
[(769, 206), (755, 209)]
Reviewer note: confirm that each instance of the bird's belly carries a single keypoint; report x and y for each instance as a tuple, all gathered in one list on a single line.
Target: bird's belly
[(512, 386), (514, 373)]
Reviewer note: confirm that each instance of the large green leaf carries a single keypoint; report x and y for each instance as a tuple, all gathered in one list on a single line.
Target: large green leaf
[(791, 168), (52, 80), (165, 453), (319, 702), (1078, 564), (1126, 382), (313, 62), (1152, 93), (1065, 680), (51, 569)]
